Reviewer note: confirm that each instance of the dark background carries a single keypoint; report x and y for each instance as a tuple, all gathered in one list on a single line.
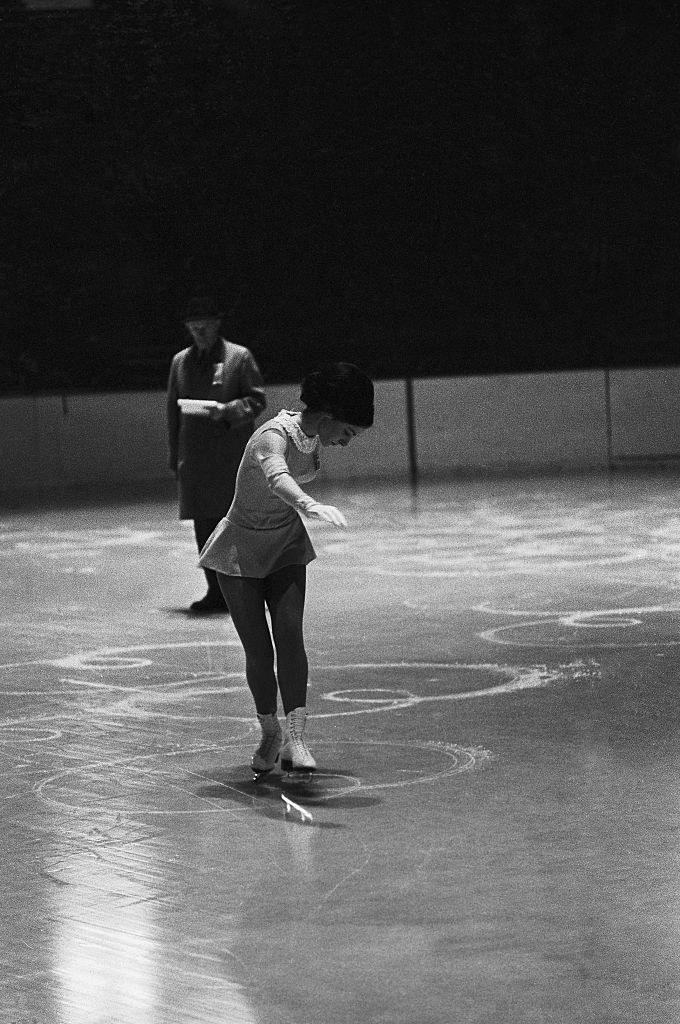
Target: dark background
[(421, 187)]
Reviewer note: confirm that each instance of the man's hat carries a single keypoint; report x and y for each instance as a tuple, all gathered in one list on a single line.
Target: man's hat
[(203, 308)]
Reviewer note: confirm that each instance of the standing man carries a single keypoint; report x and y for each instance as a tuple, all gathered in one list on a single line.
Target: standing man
[(205, 450)]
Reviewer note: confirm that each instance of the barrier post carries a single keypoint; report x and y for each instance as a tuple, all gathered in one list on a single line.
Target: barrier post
[(411, 423)]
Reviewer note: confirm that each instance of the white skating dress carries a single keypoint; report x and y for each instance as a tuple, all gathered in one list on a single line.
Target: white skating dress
[(263, 531)]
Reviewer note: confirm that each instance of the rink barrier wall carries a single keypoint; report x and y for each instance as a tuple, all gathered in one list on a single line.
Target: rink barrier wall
[(645, 415), (509, 422), (513, 422)]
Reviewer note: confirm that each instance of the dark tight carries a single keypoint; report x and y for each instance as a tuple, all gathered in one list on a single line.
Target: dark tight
[(202, 529), (283, 593)]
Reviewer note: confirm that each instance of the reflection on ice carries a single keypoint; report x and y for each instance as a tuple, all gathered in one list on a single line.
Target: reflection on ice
[(113, 959)]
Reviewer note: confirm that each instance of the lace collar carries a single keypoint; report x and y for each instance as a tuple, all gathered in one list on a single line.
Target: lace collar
[(302, 442)]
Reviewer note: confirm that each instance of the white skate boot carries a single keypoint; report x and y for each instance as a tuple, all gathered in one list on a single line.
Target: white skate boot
[(295, 754), (267, 754)]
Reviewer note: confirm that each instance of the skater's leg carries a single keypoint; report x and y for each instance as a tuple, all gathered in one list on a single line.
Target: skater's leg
[(285, 596), (245, 598)]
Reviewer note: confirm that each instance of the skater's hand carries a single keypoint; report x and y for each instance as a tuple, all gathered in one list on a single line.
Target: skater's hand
[(327, 514)]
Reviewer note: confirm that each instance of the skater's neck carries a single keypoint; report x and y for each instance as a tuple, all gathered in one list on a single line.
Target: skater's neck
[(309, 422)]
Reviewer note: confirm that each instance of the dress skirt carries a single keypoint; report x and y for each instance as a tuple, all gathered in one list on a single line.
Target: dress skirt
[(242, 551)]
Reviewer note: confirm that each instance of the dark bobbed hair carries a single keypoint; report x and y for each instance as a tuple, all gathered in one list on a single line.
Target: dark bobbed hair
[(342, 390)]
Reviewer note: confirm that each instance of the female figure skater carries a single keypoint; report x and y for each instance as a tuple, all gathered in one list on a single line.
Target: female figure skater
[(261, 548)]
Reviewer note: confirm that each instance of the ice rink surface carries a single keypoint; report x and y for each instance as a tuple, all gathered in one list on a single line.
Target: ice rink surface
[(493, 834)]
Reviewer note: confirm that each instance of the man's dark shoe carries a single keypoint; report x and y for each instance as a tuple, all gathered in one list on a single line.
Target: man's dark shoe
[(209, 604)]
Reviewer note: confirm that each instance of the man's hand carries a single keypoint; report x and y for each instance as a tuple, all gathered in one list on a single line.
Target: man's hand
[(218, 413)]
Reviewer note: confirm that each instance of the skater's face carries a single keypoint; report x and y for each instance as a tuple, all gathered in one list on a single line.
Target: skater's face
[(336, 432), (203, 332)]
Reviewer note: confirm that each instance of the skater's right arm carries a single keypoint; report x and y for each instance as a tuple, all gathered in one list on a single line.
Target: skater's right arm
[(270, 451)]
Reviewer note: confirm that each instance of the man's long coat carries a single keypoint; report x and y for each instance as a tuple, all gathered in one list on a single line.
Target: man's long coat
[(205, 453)]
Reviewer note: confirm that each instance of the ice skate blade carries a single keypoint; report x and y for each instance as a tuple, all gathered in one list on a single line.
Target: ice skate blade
[(288, 766), (298, 777), (259, 774)]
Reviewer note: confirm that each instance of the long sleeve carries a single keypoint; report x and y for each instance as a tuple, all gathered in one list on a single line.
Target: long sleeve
[(252, 400), (270, 452), (173, 415)]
